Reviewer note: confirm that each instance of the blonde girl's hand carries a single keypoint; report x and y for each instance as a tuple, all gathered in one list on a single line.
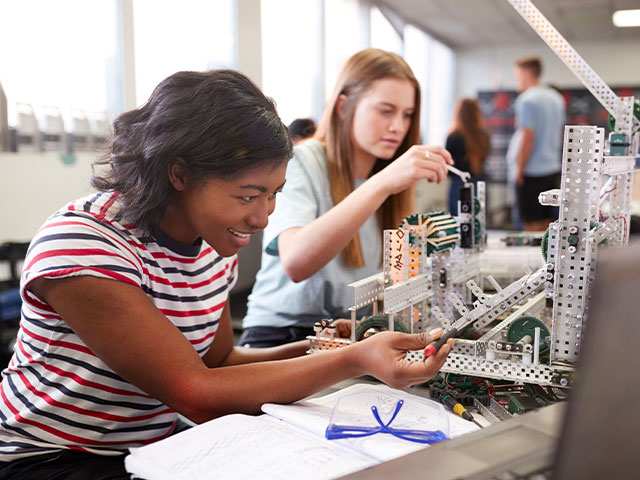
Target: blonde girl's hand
[(418, 162)]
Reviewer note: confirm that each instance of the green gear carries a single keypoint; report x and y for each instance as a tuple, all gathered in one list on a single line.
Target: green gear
[(544, 245), (476, 206), (412, 219), (477, 231), (526, 326), (380, 323)]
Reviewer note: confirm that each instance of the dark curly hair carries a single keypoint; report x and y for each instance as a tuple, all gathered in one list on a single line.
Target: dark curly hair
[(217, 124)]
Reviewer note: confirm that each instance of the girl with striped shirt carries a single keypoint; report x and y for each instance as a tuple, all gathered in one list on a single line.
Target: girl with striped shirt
[(125, 319)]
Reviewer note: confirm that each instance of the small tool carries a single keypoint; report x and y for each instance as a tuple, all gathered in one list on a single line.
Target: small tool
[(431, 349), (457, 408), (465, 176)]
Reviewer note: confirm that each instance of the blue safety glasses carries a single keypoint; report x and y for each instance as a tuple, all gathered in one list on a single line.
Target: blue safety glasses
[(335, 432)]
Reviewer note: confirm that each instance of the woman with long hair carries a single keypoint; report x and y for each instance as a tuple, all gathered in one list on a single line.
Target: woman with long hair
[(468, 142), (125, 321), (354, 179)]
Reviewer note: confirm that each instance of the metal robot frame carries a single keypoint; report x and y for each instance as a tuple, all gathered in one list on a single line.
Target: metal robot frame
[(595, 174)]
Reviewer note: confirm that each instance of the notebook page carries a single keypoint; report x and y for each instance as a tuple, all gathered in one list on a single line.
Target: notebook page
[(239, 447)]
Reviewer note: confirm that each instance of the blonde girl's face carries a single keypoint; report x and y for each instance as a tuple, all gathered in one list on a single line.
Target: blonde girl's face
[(382, 118)]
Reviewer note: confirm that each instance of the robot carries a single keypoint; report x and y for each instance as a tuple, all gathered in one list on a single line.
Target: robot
[(431, 271)]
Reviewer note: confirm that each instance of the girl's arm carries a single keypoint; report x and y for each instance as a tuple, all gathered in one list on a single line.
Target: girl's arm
[(125, 330), (305, 250), (223, 353)]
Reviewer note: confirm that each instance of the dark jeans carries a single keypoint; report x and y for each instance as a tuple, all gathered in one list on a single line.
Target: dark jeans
[(262, 337), (530, 208), (65, 465)]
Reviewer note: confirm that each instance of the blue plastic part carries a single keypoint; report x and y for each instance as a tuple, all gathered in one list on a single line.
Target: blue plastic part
[(335, 432)]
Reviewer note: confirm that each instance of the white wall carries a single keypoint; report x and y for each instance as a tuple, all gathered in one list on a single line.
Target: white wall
[(35, 185), (491, 68)]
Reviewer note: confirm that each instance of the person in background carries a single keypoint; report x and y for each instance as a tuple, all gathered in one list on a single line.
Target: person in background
[(344, 187), (125, 321), (468, 143), (301, 129), (536, 144)]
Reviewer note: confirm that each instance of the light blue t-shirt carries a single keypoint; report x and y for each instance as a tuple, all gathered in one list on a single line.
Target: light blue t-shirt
[(542, 109), (276, 301)]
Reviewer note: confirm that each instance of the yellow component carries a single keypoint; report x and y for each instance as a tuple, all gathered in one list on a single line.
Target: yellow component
[(459, 409)]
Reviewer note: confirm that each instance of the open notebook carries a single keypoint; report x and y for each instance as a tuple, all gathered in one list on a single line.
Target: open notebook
[(287, 442)]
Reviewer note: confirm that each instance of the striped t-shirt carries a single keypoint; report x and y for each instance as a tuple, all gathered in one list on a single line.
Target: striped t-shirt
[(56, 393)]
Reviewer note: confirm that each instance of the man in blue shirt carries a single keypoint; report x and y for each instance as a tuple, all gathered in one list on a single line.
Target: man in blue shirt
[(540, 116)]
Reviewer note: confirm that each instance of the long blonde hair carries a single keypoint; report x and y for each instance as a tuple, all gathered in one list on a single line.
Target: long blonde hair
[(469, 122), (335, 131)]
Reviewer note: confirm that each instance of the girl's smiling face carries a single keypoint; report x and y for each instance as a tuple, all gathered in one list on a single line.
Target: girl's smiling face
[(225, 213)]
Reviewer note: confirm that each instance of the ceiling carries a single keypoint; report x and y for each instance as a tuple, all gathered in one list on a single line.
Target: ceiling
[(464, 24)]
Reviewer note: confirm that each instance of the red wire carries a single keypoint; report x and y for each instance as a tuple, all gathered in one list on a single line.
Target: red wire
[(609, 191), (500, 403)]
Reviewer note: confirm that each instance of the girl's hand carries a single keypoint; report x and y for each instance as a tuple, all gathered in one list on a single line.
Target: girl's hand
[(383, 356), (419, 162)]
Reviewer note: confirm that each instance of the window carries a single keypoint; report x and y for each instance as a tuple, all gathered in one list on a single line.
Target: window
[(417, 54), (346, 31), (171, 36), (441, 92), (383, 34), (57, 54), (433, 64), (291, 57)]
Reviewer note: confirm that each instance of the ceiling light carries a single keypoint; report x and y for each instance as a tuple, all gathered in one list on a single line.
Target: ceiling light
[(626, 18)]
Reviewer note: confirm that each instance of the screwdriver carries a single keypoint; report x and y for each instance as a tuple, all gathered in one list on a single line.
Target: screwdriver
[(431, 349), (457, 408)]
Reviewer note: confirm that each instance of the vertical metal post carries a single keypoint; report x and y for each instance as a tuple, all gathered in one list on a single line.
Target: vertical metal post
[(576, 255)]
